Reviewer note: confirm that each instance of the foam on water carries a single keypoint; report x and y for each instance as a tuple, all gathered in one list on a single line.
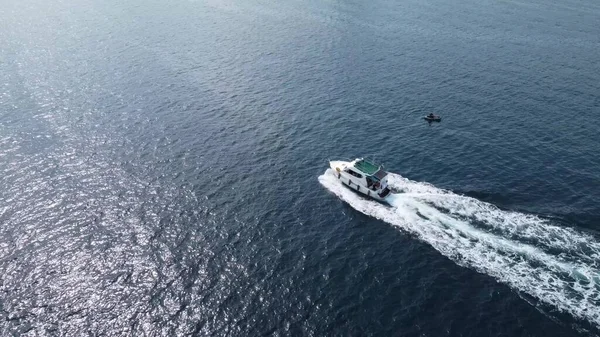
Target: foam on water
[(556, 265)]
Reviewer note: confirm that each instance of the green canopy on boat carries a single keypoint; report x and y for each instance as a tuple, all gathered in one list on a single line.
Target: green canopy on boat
[(366, 167)]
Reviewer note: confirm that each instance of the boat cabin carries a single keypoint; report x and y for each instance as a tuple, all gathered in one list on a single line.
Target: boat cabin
[(369, 174)]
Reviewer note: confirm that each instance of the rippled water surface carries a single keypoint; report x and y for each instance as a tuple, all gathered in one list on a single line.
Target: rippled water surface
[(163, 168)]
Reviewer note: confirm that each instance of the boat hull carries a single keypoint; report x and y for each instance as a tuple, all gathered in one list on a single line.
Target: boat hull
[(365, 191)]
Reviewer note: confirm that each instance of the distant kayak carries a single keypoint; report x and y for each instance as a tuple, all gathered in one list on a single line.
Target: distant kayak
[(434, 118)]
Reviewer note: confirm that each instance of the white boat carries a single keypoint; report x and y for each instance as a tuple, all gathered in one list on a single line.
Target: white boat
[(362, 176)]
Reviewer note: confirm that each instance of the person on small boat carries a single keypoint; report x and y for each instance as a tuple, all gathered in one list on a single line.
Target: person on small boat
[(431, 115)]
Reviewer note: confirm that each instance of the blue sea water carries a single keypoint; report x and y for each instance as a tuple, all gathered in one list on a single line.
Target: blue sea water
[(163, 168)]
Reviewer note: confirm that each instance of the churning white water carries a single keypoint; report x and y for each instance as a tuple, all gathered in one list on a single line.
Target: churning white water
[(557, 265)]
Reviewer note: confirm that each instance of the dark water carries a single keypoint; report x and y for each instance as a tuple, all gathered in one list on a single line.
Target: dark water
[(163, 168)]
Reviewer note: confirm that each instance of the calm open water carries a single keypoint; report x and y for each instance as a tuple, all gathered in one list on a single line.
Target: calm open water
[(163, 168)]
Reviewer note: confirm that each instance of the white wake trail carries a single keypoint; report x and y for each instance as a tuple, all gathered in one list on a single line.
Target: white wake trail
[(518, 225), (554, 264)]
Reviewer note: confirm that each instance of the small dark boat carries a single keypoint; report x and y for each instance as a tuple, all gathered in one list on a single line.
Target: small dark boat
[(433, 118)]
